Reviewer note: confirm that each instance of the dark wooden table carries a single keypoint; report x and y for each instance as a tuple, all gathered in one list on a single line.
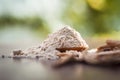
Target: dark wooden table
[(33, 69)]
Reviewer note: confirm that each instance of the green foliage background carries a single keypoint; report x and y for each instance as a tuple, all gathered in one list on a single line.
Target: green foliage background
[(93, 20), (87, 16)]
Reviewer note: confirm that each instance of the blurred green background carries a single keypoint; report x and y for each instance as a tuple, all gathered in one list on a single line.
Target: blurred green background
[(27, 22)]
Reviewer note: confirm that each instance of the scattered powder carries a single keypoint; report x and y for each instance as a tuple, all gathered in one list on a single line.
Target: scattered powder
[(63, 38)]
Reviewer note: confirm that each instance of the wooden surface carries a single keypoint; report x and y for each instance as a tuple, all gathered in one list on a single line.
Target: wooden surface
[(33, 69)]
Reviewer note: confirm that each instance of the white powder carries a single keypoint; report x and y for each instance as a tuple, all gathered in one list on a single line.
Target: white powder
[(64, 38)]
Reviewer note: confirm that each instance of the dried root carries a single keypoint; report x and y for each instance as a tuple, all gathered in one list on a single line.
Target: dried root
[(107, 54)]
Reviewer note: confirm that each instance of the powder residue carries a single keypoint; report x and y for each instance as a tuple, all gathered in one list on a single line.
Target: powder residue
[(63, 38)]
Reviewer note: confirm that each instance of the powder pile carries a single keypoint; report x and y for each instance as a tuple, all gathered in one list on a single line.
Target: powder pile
[(63, 38)]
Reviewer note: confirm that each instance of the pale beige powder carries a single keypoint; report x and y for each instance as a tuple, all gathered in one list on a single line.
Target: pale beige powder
[(64, 38)]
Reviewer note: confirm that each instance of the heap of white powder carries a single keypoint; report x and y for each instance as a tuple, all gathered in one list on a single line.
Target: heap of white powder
[(63, 38)]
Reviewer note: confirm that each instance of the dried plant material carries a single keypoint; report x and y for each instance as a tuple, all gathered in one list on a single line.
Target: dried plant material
[(60, 41), (73, 48), (67, 45), (17, 52), (111, 45), (113, 42), (107, 54), (64, 58), (68, 56)]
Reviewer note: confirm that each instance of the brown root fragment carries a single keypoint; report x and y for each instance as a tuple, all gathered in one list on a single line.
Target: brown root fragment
[(113, 42), (64, 58), (68, 56), (106, 54), (110, 46), (108, 57), (17, 52), (72, 48)]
